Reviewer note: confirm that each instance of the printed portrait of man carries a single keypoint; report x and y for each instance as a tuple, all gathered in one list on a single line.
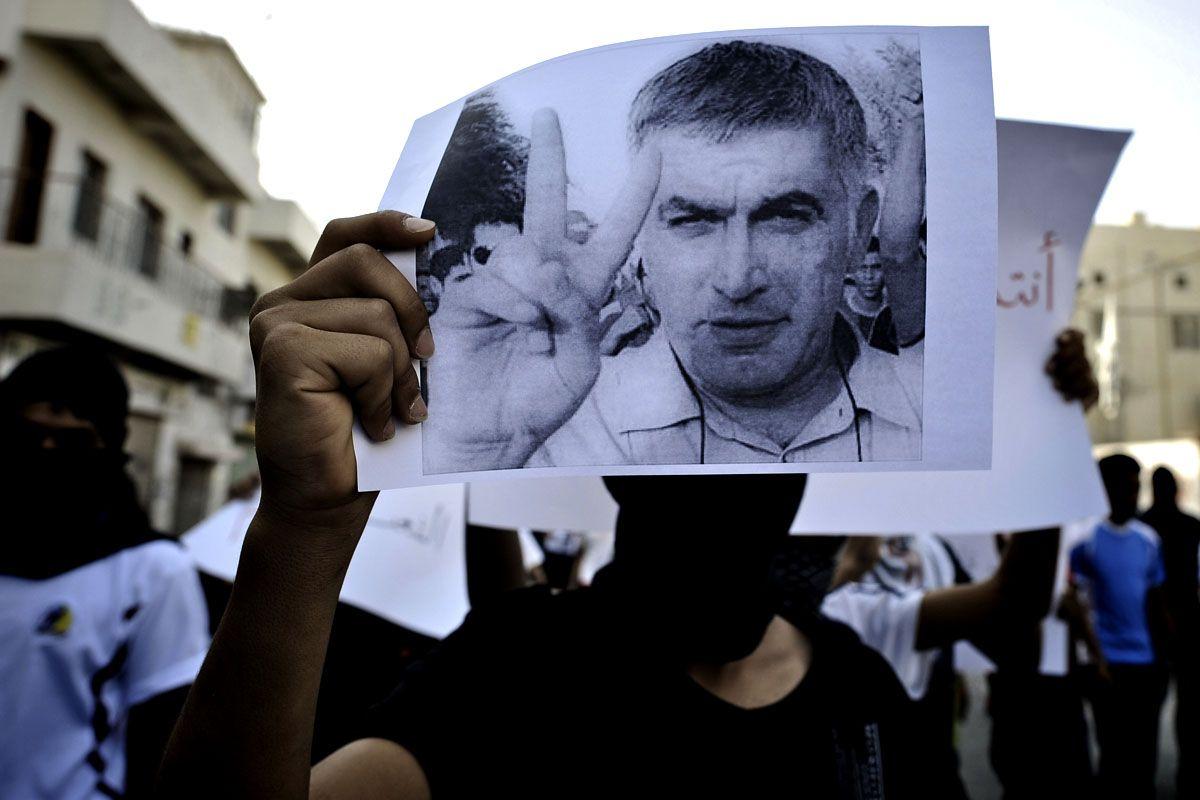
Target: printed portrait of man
[(760, 197)]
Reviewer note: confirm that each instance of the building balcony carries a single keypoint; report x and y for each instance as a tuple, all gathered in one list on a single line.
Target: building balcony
[(282, 228), (141, 66), (72, 256)]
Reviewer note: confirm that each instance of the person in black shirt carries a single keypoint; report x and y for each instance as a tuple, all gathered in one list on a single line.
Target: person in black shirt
[(1180, 536), (686, 672)]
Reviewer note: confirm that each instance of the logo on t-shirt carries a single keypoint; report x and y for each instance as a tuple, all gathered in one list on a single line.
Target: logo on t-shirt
[(56, 622)]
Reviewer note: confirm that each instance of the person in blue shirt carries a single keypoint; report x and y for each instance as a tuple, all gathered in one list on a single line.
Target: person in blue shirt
[(1119, 570)]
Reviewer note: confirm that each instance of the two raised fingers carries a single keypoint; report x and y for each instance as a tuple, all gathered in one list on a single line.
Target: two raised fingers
[(546, 207)]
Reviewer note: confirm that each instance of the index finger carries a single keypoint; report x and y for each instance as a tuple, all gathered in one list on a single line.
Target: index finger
[(383, 230), (360, 271), (612, 241), (546, 183)]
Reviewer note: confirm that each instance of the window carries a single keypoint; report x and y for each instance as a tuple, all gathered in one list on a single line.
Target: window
[(25, 209), (149, 237), (226, 216), (90, 203), (1185, 331), (185, 243)]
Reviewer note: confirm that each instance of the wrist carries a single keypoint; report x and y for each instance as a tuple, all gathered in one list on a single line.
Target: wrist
[(310, 550)]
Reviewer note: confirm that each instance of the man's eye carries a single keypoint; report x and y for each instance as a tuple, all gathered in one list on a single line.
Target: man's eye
[(692, 221), (795, 215)]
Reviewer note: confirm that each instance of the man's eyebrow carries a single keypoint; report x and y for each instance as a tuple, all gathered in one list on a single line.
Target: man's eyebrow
[(682, 205), (772, 206)]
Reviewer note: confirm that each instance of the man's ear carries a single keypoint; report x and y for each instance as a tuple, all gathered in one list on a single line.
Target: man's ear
[(865, 219)]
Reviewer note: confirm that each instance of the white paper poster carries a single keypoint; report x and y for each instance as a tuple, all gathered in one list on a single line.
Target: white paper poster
[(1043, 473), (409, 567), (544, 504), (646, 254)]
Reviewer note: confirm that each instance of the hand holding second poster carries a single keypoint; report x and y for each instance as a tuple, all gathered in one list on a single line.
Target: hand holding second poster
[(1043, 474)]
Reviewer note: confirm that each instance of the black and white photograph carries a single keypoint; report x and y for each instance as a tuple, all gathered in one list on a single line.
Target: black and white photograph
[(704, 251), (733, 306)]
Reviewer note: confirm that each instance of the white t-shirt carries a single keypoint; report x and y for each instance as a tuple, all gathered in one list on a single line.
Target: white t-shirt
[(79, 651), (884, 607)]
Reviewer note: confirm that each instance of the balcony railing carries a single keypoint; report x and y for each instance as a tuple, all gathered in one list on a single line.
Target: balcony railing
[(68, 212)]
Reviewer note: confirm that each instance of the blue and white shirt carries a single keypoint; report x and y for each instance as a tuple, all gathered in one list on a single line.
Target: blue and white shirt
[(81, 649), (1118, 565)]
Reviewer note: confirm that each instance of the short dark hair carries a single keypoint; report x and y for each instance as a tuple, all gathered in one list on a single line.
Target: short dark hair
[(1166, 489), (1117, 468), (80, 377), (481, 177), (733, 87)]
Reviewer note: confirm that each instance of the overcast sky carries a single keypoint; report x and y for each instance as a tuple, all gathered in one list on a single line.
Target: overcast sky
[(344, 80)]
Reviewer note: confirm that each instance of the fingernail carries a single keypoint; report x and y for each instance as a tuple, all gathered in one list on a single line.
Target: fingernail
[(417, 225), (417, 411), (425, 344), (389, 430)]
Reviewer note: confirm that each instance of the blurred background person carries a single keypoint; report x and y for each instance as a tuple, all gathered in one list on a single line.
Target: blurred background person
[(1179, 535), (103, 621), (1117, 572), (910, 598)]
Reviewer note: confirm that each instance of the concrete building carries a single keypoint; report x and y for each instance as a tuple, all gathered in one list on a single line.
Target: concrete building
[(1139, 302), (133, 218)]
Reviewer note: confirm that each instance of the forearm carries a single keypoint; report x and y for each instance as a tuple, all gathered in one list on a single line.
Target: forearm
[(1026, 574), (247, 726), (1003, 608)]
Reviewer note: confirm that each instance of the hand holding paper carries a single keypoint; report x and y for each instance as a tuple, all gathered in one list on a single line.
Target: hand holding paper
[(336, 343), (521, 338)]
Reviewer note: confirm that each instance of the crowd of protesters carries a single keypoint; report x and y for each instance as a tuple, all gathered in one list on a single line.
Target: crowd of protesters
[(105, 629)]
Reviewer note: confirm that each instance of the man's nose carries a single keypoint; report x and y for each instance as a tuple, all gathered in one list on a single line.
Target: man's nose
[(741, 274)]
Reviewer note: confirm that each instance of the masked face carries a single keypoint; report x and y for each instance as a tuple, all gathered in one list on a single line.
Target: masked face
[(694, 560), (67, 500)]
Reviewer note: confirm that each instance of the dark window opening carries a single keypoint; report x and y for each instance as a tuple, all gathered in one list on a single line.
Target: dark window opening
[(89, 205), (185, 243), (1185, 331), (227, 216), (25, 209), (149, 238)]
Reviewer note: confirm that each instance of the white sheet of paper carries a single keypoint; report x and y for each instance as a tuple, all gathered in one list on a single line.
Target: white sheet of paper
[(1051, 179), (409, 568), (592, 92), (544, 504)]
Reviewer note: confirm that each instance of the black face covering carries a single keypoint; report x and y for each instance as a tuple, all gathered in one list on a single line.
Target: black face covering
[(695, 557), (64, 508)]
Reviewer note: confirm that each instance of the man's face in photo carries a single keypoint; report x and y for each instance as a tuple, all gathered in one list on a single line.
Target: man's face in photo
[(746, 244), (868, 278)]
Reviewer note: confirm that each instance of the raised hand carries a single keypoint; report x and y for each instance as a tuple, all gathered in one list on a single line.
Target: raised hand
[(1070, 371), (520, 338), (336, 343)]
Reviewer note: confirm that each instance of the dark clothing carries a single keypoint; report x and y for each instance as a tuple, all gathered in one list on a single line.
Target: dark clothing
[(1127, 711), (1039, 745), (624, 724), (1180, 537), (1179, 534)]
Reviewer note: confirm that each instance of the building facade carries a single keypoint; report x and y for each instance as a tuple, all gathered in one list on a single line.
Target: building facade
[(133, 218), (1139, 303)]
